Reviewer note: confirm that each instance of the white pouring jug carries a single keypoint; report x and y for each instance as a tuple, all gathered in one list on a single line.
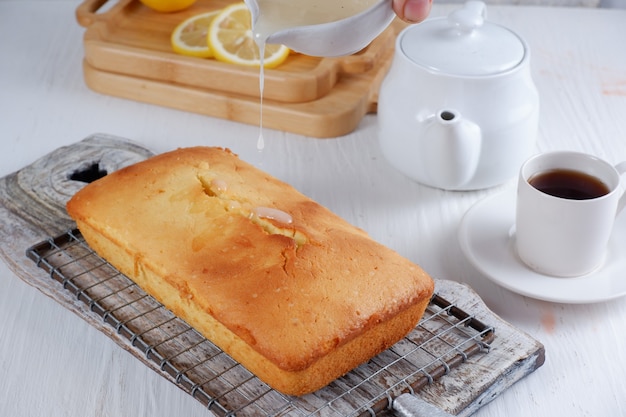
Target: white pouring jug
[(458, 109), (335, 38)]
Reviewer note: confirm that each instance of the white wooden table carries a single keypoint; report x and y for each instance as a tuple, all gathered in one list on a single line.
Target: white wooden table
[(54, 364)]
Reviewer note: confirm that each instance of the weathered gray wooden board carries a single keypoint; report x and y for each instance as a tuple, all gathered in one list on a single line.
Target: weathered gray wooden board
[(32, 208)]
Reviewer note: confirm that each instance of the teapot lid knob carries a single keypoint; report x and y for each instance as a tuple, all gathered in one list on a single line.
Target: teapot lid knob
[(464, 43), (471, 16)]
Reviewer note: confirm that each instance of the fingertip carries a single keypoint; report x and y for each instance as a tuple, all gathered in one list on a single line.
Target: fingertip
[(412, 11)]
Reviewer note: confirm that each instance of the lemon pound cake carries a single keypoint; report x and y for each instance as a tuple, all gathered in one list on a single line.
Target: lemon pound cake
[(290, 290)]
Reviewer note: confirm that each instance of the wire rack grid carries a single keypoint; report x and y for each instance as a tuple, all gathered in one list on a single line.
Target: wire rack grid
[(444, 339)]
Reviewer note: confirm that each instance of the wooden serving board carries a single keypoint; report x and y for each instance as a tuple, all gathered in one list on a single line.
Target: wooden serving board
[(32, 208), (128, 55)]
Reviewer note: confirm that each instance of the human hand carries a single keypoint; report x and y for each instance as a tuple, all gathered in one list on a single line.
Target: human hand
[(412, 11)]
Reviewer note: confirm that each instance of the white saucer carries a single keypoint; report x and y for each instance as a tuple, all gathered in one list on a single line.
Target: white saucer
[(485, 238)]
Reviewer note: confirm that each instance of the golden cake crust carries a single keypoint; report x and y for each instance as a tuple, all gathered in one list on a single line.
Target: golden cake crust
[(273, 278)]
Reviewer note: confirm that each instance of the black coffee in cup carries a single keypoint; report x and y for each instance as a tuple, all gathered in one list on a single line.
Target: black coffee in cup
[(570, 184)]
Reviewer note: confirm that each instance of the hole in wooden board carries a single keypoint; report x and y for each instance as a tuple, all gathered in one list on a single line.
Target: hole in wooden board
[(89, 173)]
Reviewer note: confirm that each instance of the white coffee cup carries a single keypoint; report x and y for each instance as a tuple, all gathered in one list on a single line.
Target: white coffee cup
[(565, 236)]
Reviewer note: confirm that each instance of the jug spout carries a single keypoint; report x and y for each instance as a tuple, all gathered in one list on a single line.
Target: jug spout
[(322, 27), (450, 146)]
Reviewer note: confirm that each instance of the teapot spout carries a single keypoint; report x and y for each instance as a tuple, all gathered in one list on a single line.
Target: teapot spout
[(451, 147)]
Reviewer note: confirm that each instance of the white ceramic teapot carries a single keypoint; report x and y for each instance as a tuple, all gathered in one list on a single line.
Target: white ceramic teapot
[(458, 109)]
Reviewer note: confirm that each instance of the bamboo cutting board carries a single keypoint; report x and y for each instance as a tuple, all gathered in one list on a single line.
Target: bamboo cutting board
[(128, 55), (32, 208)]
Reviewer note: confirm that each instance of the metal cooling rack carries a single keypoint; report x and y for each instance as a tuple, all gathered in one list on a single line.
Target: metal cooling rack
[(445, 337)]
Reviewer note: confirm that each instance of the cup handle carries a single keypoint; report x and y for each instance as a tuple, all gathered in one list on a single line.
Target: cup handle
[(621, 168)]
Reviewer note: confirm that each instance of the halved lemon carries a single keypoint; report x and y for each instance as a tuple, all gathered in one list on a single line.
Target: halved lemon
[(231, 40), (168, 5), (190, 36)]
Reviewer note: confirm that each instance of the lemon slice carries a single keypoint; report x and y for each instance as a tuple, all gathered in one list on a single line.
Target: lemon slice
[(190, 36), (231, 40), (168, 5)]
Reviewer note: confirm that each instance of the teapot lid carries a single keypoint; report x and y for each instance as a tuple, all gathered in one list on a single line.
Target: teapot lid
[(464, 43)]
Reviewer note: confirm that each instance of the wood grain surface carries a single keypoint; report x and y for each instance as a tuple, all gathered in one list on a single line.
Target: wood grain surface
[(128, 54)]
